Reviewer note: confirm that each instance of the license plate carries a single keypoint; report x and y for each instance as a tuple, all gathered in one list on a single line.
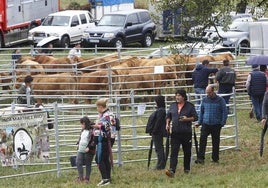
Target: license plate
[(94, 41)]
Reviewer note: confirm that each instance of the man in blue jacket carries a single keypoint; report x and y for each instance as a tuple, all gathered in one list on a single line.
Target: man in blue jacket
[(200, 78), (212, 117)]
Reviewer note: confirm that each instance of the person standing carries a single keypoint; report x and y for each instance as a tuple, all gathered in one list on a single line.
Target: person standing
[(181, 113), (75, 51), (104, 133), (212, 117), (26, 90), (263, 68), (16, 54), (265, 108), (226, 77), (157, 128), (86, 150), (256, 87), (200, 78)]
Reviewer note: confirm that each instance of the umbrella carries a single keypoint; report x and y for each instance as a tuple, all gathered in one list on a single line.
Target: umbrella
[(262, 138), (195, 142), (167, 146), (150, 153), (46, 40), (258, 60), (99, 149)]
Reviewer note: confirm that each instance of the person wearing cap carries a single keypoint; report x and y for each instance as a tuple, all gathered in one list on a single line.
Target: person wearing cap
[(212, 117), (181, 114), (75, 51), (256, 87), (24, 90)]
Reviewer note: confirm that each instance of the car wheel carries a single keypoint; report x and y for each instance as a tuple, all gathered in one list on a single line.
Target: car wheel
[(118, 43), (1, 42), (65, 42), (147, 40), (244, 45)]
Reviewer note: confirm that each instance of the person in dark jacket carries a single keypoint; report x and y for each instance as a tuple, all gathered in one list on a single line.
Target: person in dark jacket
[(157, 124), (256, 87), (181, 113), (26, 90), (212, 117), (226, 77), (200, 78), (265, 108)]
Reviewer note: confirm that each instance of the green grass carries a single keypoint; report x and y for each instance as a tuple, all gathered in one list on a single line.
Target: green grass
[(237, 168)]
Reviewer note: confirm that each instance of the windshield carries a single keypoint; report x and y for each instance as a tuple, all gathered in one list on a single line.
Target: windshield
[(112, 20), (56, 21)]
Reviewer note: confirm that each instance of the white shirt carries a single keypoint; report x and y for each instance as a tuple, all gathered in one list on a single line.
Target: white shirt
[(74, 52)]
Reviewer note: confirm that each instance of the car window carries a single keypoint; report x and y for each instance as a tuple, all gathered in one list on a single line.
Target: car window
[(83, 18), (75, 20), (133, 18), (112, 20), (56, 21), (145, 17)]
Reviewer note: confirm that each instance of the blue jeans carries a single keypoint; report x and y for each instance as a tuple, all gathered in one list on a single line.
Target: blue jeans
[(257, 105), (198, 97)]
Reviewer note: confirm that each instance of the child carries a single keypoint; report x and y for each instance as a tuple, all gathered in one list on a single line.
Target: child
[(156, 127), (104, 135), (86, 150)]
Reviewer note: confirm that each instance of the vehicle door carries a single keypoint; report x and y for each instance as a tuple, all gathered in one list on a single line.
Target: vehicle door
[(86, 22), (75, 29), (134, 32)]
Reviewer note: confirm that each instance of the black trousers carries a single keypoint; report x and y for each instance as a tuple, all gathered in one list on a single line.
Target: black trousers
[(184, 139), (159, 149), (105, 164), (215, 131)]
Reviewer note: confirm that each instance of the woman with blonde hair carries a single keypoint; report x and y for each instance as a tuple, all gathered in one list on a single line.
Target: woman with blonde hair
[(104, 133)]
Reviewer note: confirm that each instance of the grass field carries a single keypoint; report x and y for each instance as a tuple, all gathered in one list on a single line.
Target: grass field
[(237, 168)]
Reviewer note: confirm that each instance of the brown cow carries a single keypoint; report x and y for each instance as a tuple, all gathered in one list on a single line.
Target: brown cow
[(94, 83), (30, 66), (55, 84)]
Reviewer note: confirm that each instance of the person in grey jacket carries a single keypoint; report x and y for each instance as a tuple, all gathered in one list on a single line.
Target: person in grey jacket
[(226, 77)]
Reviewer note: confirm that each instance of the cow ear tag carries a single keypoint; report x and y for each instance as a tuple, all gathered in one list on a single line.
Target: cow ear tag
[(23, 143)]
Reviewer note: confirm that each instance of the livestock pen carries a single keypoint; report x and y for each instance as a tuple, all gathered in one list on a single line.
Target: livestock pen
[(130, 89)]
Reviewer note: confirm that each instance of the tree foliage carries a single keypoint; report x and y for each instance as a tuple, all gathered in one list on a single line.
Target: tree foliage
[(209, 13)]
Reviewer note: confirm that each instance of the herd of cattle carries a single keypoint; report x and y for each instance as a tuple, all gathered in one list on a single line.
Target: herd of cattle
[(96, 75)]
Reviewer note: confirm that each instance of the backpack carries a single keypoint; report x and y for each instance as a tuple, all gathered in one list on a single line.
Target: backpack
[(117, 124), (151, 123)]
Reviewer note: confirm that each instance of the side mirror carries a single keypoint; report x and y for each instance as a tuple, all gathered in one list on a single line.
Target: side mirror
[(129, 24)]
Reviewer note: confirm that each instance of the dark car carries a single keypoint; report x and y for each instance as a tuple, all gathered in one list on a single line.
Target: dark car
[(120, 28)]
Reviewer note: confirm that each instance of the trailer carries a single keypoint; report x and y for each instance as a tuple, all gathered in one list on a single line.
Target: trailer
[(17, 17), (101, 7)]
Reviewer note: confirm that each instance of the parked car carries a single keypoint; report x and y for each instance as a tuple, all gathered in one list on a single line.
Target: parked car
[(195, 49), (236, 37), (120, 28), (63, 28)]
